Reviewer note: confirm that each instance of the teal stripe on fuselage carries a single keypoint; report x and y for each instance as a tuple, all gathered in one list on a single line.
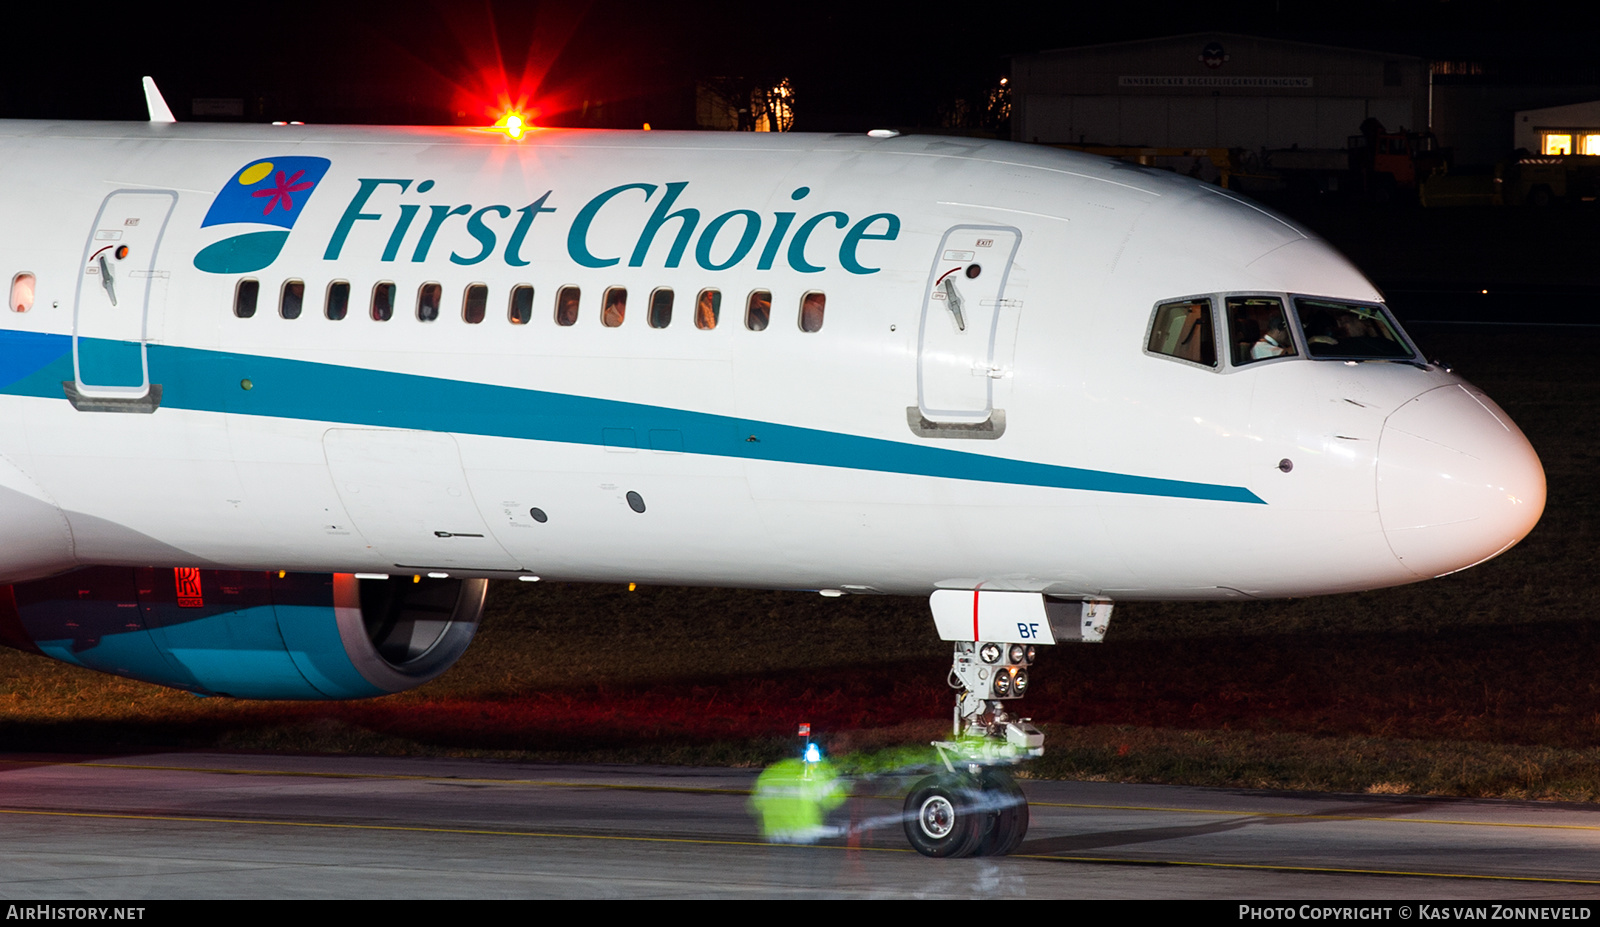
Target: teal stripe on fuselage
[(209, 381)]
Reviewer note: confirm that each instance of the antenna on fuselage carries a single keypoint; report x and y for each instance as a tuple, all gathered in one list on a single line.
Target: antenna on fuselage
[(159, 110)]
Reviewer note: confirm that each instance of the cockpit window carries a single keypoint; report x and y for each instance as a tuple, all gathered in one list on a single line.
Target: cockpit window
[(1183, 330), (1348, 330), (1258, 329)]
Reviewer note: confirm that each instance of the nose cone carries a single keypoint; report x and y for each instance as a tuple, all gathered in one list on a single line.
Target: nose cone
[(1457, 481)]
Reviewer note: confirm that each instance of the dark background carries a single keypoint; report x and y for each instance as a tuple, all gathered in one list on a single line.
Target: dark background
[(616, 64)]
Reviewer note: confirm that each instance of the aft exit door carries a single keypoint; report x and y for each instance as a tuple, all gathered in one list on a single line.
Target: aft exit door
[(112, 307), (961, 305)]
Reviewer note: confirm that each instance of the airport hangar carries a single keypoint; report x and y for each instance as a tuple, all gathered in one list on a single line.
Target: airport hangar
[(1219, 90)]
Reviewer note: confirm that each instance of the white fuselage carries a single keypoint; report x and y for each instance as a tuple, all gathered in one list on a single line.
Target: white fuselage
[(1054, 452)]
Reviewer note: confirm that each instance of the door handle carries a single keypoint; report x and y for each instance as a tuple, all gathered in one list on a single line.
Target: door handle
[(106, 281), (952, 298)]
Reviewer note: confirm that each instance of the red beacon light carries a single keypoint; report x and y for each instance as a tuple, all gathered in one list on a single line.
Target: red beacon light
[(514, 124)]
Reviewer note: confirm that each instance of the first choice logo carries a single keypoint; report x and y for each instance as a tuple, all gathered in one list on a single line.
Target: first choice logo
[(269, 192), (722, 242)]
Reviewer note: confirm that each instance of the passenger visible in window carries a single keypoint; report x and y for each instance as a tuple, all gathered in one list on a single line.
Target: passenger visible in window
[(383, 302), (1275, 343), (429, 295), (707, 309), (338, 304), (22, 292), (291, 299), (758, 311), (616, 307), (811, 307), (567, 306)]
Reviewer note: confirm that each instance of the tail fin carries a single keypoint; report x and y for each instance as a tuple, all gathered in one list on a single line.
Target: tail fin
[(159, 111)]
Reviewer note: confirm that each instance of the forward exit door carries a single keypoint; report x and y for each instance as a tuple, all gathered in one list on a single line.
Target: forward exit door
[(961, 305), (112, 306)]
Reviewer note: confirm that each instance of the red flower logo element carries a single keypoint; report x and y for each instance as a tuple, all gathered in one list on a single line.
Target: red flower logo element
[(279, 192)]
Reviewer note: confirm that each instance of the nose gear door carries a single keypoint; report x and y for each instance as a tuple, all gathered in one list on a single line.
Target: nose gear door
[(111, 307), (961, 304)]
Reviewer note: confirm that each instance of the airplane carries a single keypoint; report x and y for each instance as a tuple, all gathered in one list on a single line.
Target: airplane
[(277, 402)]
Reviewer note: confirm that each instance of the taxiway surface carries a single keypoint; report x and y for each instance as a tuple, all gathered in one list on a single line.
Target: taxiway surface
[(159, 826)]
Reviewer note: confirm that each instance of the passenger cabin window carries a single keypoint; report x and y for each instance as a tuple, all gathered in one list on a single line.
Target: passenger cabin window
[(337, 305), (22, 292), (1259, 329), (616, 303), (383, 301), (292, 299), (1183, 330), (428, 300), (244, 298), (520, 311), (475, 303), (758, 310), (429, 295), (707, 309), (811, 306), (661, 308), (567, 306), (1349, 331)]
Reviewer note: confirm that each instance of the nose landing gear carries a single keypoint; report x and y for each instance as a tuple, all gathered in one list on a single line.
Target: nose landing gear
[(974, 807)]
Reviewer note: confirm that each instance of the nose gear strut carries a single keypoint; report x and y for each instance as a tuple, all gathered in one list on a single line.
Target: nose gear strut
[(975, 807)]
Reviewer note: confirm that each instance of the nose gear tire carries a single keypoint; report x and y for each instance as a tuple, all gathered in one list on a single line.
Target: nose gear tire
[(1008, 822), (942, 816)]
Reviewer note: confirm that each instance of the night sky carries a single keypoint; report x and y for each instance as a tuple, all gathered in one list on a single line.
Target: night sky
[(615, 64)]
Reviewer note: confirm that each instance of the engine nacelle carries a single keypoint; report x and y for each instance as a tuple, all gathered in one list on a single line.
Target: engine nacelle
[(248, 634)]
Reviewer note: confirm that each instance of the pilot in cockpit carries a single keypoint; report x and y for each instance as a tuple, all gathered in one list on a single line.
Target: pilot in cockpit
[(1275, 343)]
